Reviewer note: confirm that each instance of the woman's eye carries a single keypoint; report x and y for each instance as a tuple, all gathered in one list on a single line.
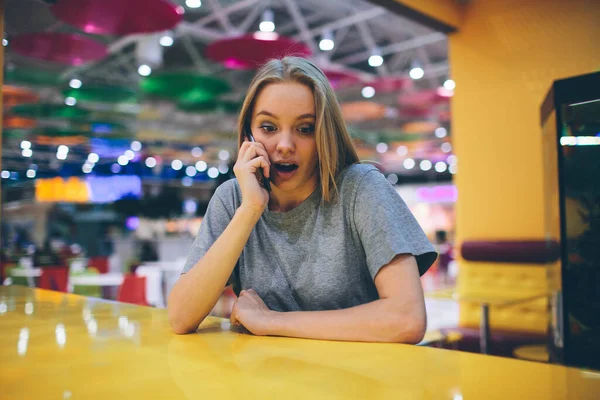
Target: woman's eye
[(267, 128), (307, 130)]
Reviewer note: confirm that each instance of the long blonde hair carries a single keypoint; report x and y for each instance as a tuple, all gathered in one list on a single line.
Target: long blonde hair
[(334, 146)]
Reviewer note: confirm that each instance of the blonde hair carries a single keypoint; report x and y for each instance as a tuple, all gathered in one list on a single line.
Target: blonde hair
[(334, 146)]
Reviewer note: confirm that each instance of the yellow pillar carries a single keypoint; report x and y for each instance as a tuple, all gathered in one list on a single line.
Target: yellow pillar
[(504, 57)]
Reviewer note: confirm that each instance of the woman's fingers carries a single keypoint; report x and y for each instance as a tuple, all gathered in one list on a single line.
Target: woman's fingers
[(233, 317), (250, 150), (260, 163)]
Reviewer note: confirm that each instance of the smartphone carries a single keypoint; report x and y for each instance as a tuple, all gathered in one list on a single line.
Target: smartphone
[(265, 181)]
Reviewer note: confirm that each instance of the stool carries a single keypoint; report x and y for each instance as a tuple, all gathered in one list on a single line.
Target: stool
[(532, 353)]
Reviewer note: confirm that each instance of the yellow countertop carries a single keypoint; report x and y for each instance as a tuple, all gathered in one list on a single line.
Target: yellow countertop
[(63, 346)]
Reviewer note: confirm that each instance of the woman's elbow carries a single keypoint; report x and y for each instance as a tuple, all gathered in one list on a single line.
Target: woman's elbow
[(179, 324), (410, 330)]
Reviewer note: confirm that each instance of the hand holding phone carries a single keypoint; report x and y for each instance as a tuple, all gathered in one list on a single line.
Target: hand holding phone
[(265, 181)]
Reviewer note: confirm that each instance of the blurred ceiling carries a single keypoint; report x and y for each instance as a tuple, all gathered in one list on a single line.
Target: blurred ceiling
[(404, 126)]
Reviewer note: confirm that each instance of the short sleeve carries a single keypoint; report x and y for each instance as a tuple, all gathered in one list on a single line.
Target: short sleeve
[(218, 214), (387, 227)]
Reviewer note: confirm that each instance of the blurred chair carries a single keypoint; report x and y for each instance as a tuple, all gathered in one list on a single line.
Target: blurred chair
[(133, 290), (154, 287), (54, 278), (99, 263), (14, 280), (85, 290)]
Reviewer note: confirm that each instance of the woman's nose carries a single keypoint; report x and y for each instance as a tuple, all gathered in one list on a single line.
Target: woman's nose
[(286, 143)]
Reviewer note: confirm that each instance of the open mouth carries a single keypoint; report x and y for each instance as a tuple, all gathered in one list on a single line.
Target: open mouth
[(285, 167)]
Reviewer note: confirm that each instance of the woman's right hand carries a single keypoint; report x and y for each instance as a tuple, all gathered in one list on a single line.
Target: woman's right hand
[(252, 158)]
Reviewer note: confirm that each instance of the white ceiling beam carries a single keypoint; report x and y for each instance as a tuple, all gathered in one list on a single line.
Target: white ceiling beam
[(113, 48), (298, 19), (201, 33), (240, 5), (395, 48), (370, 44), (245, 25), (291, 26), (351, 20), (192, 51), (221, 16)]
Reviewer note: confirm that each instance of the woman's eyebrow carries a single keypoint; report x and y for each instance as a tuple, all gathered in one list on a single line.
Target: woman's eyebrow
[(269, 114), (264, 112), (303, 116)]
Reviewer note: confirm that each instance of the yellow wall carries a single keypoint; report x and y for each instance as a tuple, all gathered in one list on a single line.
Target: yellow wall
[(446, 11), (503, 58)]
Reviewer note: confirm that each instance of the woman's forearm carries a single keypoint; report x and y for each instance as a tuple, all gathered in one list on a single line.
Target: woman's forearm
[(383, 320), (196, 292)]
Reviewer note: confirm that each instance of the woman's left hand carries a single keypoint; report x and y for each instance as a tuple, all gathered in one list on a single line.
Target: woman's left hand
[(250, 311)]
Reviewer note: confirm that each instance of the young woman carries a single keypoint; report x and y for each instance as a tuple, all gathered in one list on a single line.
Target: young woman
[(329, 252)]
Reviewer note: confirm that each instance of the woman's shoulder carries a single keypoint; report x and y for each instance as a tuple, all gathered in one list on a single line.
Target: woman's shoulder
[(355, 174), (229, 192)]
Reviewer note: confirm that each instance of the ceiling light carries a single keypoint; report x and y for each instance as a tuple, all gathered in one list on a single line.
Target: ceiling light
[(213, 172), (187, 181), (176, 165), (70, 101), (115, 168), (409, 163), (86, 168), (144, 70), (129, 154), (375, 60), (267, 24), (449, 84), (166, 40), (416, 73), (326, 43), (446, 147), (136, 146), (122, 160), (27, 153), (267, 36), (190, 171), (75, 83), (62, 149), (392, 178), (425, 165), (197, 152), (223, 155), (4, 42), (5, 174), (30, 173), (452, 159), (25, 144), (193, 3), (368, 92), (201, 166), (223, 168), (453, 168), (440, 166), (402, 150), (441, 132), (381, 148), (93, 158), (150, 162)]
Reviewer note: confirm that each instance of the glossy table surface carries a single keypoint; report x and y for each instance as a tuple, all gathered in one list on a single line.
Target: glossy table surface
[(59, 346)]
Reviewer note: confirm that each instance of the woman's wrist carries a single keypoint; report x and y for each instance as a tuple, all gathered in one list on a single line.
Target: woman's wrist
[(253, 213), (274, 320)]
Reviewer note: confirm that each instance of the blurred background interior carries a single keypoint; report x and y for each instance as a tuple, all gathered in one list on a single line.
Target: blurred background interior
[(118, 126)]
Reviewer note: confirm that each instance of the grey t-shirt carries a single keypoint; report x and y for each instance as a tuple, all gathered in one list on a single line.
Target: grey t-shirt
[(319, 256)]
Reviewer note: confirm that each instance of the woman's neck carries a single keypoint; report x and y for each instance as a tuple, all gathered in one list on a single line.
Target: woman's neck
[(284, 201)]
